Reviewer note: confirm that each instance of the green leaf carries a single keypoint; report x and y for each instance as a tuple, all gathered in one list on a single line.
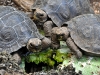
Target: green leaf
[(48, 57), (42, 58), (60, 57), (50, 62)]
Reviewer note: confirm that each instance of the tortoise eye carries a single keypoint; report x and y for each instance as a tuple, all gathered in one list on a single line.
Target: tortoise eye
[(41, 15), (31, 45)]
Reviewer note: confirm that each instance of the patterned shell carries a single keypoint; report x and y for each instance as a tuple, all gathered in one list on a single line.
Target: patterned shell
[(61, 11), (85, 31), (16, 28)]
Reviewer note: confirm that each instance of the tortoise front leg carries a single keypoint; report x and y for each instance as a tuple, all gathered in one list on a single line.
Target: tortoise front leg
[(55, 43), (47, 28), (46, 43), (70, 43), (17, 58)]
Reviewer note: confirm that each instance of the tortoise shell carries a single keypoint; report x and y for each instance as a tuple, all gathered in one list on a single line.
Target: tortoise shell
[(16, 28), (62, 10), (85, 32)]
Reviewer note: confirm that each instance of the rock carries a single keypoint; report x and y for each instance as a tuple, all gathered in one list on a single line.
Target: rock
[(8, 65), (25, 4)]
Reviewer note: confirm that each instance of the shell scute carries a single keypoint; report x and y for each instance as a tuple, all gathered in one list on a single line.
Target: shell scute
[(12, 19)]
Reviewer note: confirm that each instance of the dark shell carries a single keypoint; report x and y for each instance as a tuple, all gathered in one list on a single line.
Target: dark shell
[(16, 28), (61, 11), (85, 31)]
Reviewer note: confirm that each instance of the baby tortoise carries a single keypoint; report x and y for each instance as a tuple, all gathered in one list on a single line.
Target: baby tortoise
[(17, 30), (82, 34), (51, 13)]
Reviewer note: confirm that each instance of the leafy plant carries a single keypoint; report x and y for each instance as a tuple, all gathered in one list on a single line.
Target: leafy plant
[(49, 57)]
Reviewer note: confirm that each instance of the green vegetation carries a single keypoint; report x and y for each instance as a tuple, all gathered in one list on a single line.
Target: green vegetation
[(49, 57)]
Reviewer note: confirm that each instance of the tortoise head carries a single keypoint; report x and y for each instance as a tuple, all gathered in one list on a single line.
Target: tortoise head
[(62, 33), (34, 45), (39, 15)]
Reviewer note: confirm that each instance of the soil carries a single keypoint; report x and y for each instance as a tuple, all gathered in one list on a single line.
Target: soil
[(8, 66)]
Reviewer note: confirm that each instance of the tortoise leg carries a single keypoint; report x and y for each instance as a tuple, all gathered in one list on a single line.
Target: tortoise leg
[(17, 58), (46, 43), (17, 55), (55, 43), (73, 47), (47, 28)]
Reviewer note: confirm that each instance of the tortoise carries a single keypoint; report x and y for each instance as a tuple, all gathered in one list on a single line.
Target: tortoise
[(51, 13), (81, 35), (18, 31)]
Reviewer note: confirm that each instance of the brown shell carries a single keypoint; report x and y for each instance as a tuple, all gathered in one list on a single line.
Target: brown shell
[(85, 31)]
